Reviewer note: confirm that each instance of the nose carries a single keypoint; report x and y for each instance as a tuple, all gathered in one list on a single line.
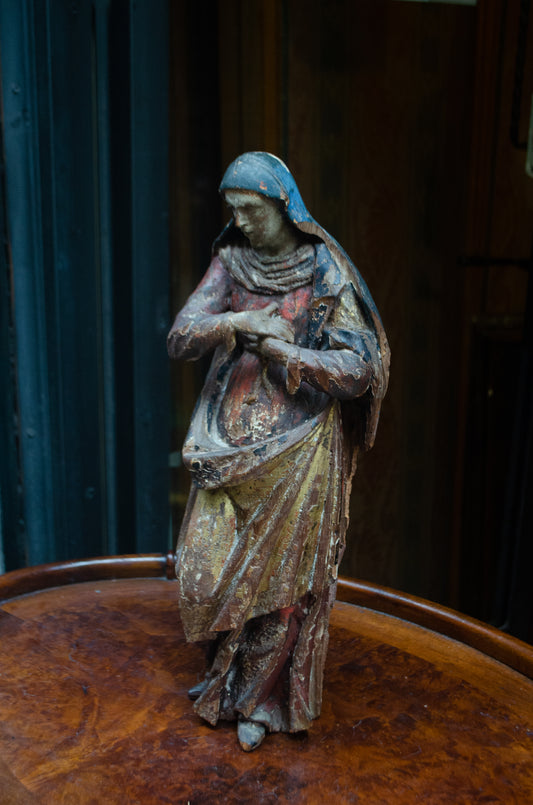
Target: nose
[(240, 220)]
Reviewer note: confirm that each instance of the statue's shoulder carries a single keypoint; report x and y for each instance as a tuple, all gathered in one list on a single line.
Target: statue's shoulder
[(224, 255)]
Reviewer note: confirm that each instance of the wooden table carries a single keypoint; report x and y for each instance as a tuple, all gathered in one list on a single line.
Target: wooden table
[(94, 673)]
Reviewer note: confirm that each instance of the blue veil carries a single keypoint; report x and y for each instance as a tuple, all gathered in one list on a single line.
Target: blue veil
[(266, 174)]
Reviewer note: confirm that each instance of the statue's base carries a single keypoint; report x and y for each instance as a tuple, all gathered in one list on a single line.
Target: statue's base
[(93, 704)]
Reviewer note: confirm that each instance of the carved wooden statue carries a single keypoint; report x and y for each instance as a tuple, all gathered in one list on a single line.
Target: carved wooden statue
[(299, 370)]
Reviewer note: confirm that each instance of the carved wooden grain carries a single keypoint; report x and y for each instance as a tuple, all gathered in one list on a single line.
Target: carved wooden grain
[(94, 706)]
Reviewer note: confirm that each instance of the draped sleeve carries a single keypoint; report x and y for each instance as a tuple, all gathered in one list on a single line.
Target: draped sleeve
[(342, 366), (205, 320)]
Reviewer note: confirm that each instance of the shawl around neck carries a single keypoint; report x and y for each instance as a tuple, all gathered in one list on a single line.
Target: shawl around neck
[(269, 275)]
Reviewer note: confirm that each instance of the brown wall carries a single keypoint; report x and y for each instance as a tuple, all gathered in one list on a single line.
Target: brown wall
[(388, 115), (491, 439)]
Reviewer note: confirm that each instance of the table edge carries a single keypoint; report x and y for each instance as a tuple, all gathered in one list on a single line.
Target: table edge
[(485, 638)]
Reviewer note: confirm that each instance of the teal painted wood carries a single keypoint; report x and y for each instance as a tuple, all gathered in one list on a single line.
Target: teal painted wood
[(86, 153), (104, 263), (150, 303), (11, 544), (23, 190)]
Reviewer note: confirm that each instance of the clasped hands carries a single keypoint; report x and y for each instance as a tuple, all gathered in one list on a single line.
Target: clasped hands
[(262, 330)]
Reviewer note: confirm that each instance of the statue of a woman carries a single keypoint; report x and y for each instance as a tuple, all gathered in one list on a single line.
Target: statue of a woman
[(299, 370)]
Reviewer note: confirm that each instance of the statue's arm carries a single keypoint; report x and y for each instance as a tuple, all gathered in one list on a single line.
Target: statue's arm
[(205, 321), (344, 369), (341, 373)]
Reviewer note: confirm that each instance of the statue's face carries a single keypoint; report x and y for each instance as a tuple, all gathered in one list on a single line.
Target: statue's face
[(259, 219)]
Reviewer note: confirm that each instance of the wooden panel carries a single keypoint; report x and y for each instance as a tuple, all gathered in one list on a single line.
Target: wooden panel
[(47, 72), (148, 136), (195, 209), (491, 465), (86, 170), (495, 367), (11, 501), (378, 140), (225, 99), (394, 119), (250, 76)]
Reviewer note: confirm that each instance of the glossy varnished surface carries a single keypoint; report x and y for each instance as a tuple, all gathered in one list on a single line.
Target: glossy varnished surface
[(93, 708)]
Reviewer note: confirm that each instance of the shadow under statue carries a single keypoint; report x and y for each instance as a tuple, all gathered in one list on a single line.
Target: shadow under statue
[(299, 370)]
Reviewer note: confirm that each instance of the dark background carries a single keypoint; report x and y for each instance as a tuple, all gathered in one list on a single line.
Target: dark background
[(405, 126)]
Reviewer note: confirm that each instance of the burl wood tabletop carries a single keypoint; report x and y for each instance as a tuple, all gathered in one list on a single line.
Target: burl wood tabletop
[(94, 709)]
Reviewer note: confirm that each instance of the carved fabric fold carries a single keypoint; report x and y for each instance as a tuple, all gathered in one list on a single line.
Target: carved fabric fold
[(261, 545)]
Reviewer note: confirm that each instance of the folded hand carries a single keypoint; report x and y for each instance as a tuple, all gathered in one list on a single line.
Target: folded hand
[(257, 324)]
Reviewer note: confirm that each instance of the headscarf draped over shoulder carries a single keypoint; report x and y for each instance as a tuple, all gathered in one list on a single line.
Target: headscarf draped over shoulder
[(266, 174)]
